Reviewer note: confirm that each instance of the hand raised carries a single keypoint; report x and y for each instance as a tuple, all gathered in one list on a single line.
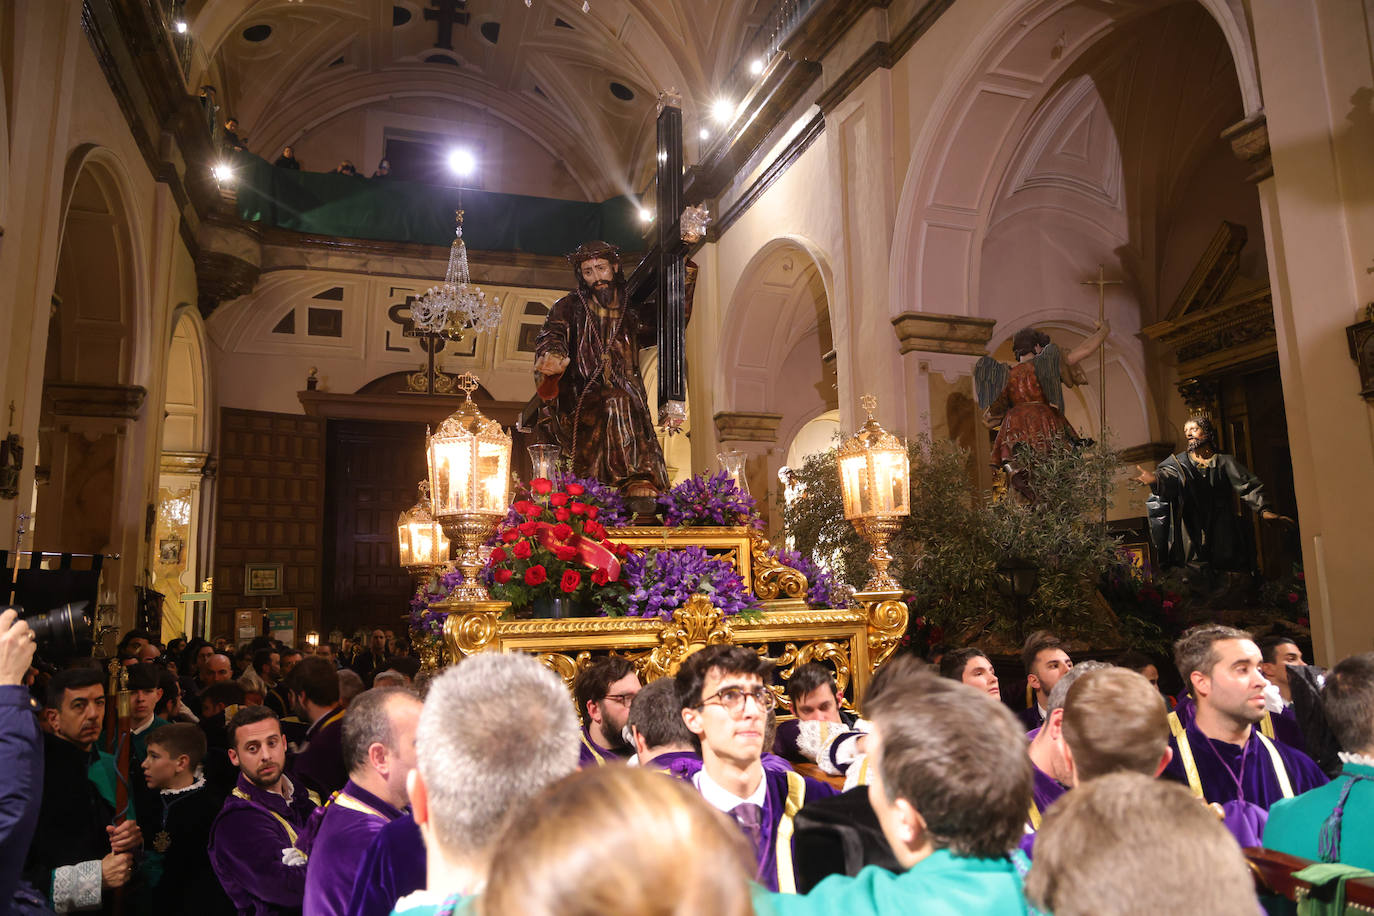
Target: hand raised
[(1146, 477), (16, 648)]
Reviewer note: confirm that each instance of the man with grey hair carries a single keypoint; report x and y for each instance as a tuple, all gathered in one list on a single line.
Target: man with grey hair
[(1051, 768), (495, 731), (1220, 755), (378, 745)]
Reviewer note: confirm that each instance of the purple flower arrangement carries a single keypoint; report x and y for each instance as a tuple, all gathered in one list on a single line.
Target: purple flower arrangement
[(708, 499), (661, 581), (423, 620), (822, 589), (614, 512)]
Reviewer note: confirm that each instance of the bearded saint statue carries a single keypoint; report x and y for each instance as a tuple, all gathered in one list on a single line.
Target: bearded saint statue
[(1025, 402), (592, 402)]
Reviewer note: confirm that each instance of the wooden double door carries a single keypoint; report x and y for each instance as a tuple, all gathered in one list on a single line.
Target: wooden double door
[(372, 471)]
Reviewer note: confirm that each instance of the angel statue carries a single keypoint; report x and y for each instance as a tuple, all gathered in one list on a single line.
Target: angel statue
[(1025, 402)]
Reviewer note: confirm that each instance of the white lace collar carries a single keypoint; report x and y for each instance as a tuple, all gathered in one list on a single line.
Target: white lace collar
[(1359, 760), (199, 783)]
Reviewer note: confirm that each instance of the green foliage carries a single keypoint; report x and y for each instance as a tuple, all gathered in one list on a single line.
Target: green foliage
[(947, 553)]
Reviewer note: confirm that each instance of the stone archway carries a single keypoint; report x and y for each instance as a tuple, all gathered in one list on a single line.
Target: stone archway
[(777, 364), (179, 557), (88, 470)]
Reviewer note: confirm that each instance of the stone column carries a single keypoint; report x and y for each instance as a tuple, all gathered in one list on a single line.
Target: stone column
[(1315, 176), (756, 435)]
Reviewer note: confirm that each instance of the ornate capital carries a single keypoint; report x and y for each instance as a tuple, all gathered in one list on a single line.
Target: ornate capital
[(1249, 140), (695, 625), (931, 333), (743, 426), (470, 626), (107, 401)]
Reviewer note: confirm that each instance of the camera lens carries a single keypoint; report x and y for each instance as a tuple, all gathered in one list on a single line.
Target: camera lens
[(62, 626)]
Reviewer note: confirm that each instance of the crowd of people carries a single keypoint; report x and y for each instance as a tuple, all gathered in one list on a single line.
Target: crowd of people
[(344, 781), (232, 139)]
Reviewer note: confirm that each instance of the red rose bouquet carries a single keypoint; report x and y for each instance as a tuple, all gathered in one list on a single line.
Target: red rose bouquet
[(552, 545)]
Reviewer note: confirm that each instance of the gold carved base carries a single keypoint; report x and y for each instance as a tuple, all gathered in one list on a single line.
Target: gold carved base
[(854, 640)]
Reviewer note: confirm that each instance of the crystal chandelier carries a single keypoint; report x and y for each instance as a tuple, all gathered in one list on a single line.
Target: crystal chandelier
[(456, 305)]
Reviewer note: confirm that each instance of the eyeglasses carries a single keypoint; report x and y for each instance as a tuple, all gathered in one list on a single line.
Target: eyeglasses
[(624, 699), (732, 699)]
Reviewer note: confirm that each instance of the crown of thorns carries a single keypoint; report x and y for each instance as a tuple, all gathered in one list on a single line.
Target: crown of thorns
[(591, 250)]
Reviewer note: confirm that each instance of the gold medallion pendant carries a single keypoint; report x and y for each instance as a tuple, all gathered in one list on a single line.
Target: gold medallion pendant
[(162, 841)]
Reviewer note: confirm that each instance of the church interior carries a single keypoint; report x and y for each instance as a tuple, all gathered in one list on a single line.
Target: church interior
[(211, 360)]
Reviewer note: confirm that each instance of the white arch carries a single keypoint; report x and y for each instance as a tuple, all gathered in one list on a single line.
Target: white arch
[(930, 231), (116, 184), (741, 311)]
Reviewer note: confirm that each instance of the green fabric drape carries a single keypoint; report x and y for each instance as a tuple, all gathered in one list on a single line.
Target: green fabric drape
[(324, 203)]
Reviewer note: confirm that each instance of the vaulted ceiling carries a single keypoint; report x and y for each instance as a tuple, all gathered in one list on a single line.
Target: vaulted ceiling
[(580, 80)]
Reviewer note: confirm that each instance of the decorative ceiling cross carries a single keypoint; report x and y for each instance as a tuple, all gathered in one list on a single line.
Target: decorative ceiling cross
[(447, 13)]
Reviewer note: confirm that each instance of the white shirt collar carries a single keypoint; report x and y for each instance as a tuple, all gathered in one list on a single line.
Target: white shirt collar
[(723, 799), (145, 726)]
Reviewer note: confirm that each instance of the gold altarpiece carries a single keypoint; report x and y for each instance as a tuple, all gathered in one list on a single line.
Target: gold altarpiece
[(855, 640)]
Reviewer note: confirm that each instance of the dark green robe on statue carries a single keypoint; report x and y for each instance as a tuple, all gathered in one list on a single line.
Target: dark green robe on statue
[(1192, 513)]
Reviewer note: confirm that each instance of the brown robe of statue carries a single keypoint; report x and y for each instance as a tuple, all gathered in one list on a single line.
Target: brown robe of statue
[(599, 413)]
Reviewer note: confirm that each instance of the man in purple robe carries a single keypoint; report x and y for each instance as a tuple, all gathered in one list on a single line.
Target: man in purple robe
[(604, 692), (725, 705), (314, 690), (393, 867), (662, 741), (379, 747), (495, 731), (253, 842), (1221, 755)]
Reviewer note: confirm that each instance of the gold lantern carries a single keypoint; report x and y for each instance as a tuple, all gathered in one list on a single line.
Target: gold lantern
[(875, 480), (423, 549), (469, 484)]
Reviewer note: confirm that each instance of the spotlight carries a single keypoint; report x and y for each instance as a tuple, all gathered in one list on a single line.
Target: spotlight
[(181, 26), (223, 173), (462, 162), (757, 66), (723, 110), (645, 216), (704, 134)]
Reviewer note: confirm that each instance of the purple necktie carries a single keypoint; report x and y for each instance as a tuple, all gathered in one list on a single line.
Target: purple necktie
[(750, 819)]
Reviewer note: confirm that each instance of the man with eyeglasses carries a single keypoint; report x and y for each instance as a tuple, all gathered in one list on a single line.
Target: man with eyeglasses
[(725, 705), (604, 692)]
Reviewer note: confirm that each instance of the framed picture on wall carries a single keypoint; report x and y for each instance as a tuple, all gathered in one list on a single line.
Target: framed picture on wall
[(262, 579)]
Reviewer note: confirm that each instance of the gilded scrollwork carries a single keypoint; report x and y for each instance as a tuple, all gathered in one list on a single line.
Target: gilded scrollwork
[(887, 620), (837, 653), (772, 578), (566, 666), (470, 626), (694, 626)]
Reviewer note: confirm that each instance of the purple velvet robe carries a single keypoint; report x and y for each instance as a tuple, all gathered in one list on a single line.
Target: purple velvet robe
[(1218, 762), (393, 866), (319, 764), (774, 805), (593, 754), (1045, 789), (341, 841), (682, 764), (1031, 718), (246, 844)]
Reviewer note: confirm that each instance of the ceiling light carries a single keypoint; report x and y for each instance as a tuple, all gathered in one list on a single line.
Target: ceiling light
[(462, 162), (645, 216), (723, 110), (757, 66), (223, 173), (181, 26), (704, 134)]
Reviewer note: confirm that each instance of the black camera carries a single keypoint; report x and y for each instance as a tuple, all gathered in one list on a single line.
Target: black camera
[(62, 627)]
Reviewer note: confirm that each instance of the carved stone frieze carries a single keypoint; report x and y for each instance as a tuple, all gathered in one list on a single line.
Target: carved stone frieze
[(1249, 140), (928, 332), (113, 401), (743, 426)]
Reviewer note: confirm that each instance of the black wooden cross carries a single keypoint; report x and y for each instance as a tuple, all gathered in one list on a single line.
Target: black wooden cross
[(447, 13), (661, 276)]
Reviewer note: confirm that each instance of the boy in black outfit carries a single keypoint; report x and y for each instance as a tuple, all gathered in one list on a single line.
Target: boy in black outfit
[(180, 873)]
